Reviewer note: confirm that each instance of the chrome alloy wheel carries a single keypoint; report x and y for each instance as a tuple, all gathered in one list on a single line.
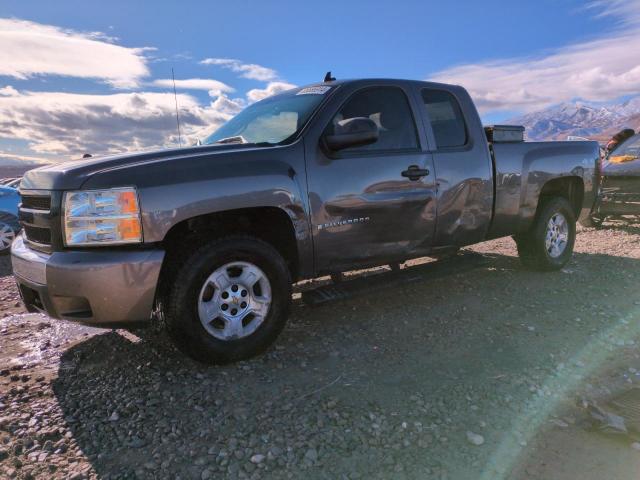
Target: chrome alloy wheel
[(557, 235), (7, 236), (234, 301)]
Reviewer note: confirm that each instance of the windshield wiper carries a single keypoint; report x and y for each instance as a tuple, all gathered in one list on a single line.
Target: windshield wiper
[(239, 139), (234, 139)]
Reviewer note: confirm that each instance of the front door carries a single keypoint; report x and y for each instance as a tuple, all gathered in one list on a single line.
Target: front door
[(375, 203)]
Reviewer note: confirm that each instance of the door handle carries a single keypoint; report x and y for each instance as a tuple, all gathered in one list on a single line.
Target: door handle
[(414, 172)]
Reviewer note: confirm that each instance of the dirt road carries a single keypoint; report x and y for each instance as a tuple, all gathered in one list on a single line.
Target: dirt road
[(467, 375)]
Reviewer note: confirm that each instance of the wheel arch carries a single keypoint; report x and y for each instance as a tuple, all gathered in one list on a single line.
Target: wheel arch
[(570, 187), (273, 225)]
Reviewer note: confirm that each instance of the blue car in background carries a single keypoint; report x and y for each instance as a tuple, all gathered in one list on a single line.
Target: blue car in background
[(9, 225)]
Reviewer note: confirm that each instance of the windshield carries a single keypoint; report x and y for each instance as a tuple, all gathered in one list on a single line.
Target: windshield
[(275, 120), (627, 151), (629, 147)]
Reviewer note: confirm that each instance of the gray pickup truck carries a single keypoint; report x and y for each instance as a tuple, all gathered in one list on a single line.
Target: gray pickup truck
[(317, 180)]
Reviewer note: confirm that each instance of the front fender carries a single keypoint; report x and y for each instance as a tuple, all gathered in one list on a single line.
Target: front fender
[(171, 191)]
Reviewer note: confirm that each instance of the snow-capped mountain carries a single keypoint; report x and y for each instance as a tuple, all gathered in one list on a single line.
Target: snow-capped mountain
[(580, 119)]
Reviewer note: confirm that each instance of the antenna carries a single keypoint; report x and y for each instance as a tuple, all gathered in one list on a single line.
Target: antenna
[(328, 77), (175, 96)]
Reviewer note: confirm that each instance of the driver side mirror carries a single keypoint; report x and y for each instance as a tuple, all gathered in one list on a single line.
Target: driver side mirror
[(352, 132)]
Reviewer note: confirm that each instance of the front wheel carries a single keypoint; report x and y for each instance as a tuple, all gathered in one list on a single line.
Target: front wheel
[(548, 245), (229, 300)]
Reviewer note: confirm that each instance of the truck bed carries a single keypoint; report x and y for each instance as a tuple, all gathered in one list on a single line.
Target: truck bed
[(520, 170)]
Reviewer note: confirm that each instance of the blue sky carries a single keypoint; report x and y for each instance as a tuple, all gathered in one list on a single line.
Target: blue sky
[(121, 53)]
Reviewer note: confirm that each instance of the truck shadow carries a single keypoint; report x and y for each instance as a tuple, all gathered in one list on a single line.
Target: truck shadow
[(413, 350)]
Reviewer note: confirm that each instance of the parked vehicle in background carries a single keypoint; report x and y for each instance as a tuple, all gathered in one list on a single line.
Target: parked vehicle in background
[(316, 180), (618, 191), (9, 224), (10, 182)]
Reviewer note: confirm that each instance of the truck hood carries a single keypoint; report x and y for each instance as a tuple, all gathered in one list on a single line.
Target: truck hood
[(73, 174)]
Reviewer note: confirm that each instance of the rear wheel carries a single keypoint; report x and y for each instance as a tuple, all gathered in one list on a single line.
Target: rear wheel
[(548, 245), (597, 221), (593, 221), (229, 300)]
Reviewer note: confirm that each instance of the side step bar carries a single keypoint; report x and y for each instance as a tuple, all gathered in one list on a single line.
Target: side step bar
[(426, 272)]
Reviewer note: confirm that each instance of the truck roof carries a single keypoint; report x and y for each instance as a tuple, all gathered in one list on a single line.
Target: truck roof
[(387, 81)]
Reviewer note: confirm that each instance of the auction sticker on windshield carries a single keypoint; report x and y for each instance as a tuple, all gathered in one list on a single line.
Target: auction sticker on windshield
[(321, 90)]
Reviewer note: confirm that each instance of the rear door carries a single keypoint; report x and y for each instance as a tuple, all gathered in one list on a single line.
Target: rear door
[(374, 203), (463, 166)]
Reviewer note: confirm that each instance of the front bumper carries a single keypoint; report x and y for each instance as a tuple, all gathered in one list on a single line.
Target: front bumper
[(105, 287)]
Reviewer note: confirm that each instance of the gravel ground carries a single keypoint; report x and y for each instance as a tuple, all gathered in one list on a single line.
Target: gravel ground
[(472, 375)]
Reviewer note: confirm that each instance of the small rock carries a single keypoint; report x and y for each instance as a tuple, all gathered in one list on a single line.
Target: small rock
[(206, 474), (257, 458), (311, 455), (114, 417), (559, 423), (475, 439), (636, 446), (137, 442)]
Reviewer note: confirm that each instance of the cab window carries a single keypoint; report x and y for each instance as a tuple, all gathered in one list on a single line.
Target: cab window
[(389, 108), (445, 116)]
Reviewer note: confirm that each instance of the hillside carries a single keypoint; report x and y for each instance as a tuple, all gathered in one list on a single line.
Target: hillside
[(580, 119), (12, 167)]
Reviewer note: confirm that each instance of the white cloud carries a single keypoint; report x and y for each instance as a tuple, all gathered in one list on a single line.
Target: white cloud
[(598, 70), (8, 91), (7, 157), (29, 48), (68, 124), (271, 89), (228, 106), (246, 70), (626, 12), (214, 87)]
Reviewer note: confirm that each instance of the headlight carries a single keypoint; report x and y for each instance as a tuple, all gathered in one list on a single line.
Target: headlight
[(102, 217)]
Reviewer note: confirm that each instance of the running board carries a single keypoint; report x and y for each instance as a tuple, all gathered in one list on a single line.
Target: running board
[(426, 272)]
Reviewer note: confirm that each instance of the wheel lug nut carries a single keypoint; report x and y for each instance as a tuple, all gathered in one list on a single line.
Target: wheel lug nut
[(224, 307), (243, 305), (234, 288), (234, 311), (225, 295), (243, 293)]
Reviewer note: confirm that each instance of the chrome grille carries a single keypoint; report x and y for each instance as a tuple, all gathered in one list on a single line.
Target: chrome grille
[(36, 202), (39, 213), (38, 234)]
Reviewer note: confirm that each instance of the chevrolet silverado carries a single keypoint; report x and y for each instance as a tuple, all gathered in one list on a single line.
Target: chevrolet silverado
[(317, 180)]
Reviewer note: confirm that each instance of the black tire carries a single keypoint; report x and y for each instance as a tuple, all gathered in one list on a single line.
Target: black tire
[(531, 245), (7, 223), (180, 302), (597, 222), (594, 221)]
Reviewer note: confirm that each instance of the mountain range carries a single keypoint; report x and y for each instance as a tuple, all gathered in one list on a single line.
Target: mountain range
[(580, 119)]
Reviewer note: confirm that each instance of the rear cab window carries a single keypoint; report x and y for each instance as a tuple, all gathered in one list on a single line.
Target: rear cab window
[(446, 118)]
